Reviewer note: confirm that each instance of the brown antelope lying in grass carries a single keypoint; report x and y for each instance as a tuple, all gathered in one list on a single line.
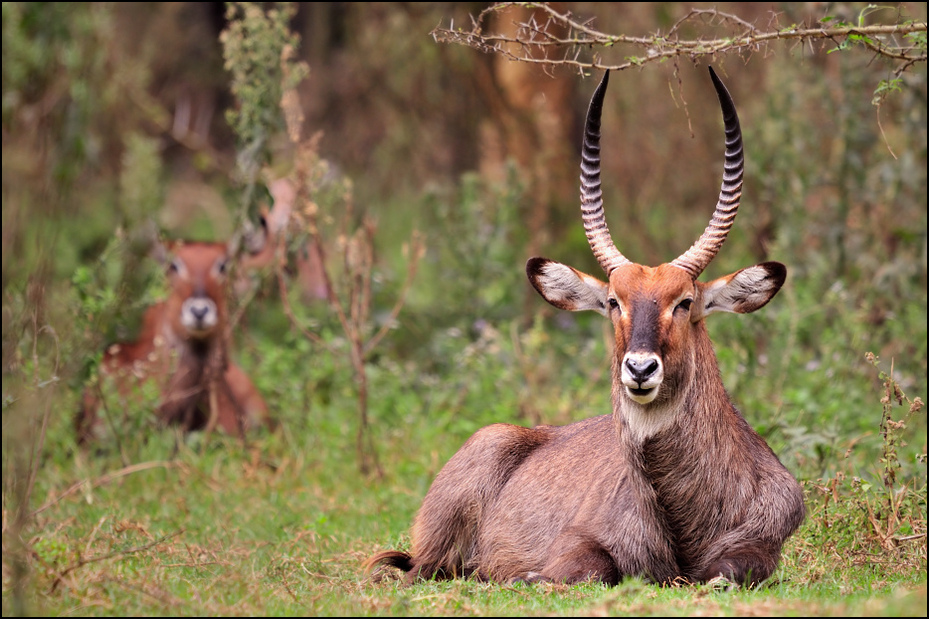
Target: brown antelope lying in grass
[(674, 484), (184, 348)]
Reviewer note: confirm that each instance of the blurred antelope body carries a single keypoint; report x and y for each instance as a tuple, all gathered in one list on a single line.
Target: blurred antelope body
[(674, 484), (183, 349)]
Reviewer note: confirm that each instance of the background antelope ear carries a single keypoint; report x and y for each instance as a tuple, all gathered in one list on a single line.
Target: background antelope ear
[(742, 292), (255, 238), (162, 250), (565, 287)]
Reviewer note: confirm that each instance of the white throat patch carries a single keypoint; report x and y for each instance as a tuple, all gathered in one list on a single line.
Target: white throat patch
[(645, 421)]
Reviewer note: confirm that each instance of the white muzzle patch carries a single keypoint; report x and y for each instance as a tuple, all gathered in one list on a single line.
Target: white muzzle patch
[(199, 316), (641, 376)]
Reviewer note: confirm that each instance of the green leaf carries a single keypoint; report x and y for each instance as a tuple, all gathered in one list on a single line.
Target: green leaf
[(918, 39), (884, 88)]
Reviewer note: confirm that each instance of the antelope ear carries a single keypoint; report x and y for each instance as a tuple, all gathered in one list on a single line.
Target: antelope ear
[(565, 287), (162, 250), (255, 238), (741, 292)]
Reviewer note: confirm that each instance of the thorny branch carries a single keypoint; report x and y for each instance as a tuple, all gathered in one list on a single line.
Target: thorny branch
[(551, 39)]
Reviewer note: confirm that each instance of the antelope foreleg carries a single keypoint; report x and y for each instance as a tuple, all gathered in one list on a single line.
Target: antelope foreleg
[(583, 561)]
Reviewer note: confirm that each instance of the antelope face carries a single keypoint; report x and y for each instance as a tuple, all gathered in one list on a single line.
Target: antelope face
[(657, 315), (196, 275), (650, 309)]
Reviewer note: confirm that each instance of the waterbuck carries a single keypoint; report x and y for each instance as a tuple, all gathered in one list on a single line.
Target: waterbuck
[(674, 484), (183, 346)]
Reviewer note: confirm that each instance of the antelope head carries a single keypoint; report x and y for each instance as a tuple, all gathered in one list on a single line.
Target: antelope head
[(196, 306), (657, 312)]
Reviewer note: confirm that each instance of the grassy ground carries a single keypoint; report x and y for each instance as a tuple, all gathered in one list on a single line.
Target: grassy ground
[(227, 533), (281, 526)]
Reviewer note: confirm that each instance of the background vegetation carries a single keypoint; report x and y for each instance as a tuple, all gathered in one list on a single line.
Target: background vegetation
[(431, 173)]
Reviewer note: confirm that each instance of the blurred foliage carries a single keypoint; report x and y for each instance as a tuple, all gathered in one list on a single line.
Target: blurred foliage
[(254, 45)]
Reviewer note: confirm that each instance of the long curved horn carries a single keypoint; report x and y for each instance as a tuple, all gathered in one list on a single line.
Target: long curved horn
[(696, 259), (598, 234)]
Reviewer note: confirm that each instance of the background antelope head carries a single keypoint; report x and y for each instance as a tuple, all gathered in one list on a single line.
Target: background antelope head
[(196, 271), (184, 346), (657, 312)]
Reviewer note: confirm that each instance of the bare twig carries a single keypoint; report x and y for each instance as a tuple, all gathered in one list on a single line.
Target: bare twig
[(538, 44), (289, 312), (39, 440), (287, 587), (110, 555), (909, 538), (415, 252)]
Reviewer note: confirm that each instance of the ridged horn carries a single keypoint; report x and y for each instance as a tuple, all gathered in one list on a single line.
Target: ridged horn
[(598, 234), (696, 259)]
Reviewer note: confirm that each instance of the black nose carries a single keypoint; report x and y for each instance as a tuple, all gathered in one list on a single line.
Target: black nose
[(641, 369), (199, 312)]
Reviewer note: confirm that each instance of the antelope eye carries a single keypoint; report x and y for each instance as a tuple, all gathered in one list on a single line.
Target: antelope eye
[(684, 305), (614, 304), (174, 267)]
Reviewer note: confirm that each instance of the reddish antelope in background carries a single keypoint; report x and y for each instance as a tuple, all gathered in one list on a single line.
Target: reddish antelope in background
[(183, 346), (674, 484)]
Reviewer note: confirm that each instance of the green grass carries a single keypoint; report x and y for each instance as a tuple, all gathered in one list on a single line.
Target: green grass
[(281, 526), (227, 533)]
